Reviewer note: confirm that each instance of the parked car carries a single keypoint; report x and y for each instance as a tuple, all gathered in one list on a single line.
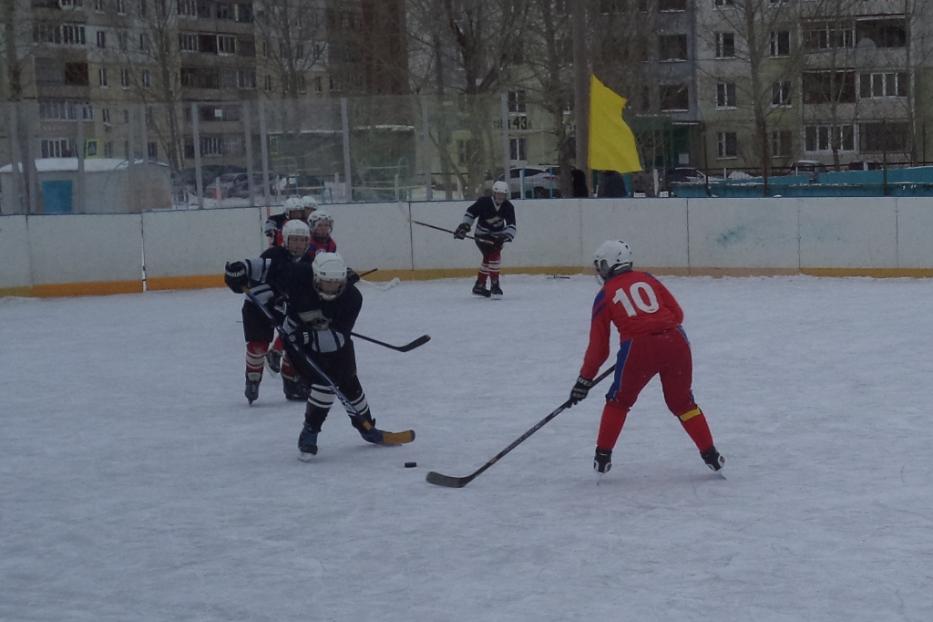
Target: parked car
[(681, 174), (236, 185), (533, 181)]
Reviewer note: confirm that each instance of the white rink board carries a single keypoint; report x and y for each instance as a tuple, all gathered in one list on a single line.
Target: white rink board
[(434, 249), (75, 248), (730, 233), (372, 235), (656, 229), (914, 233), (14, 252), (548, 235), (786, 234), (859, 232), (198, 242)]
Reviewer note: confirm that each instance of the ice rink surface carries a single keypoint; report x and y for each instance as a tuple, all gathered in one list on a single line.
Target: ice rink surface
[(137, 485)]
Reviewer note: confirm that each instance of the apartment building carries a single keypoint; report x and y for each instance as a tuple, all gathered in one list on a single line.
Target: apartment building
[(171, 79), (834, 81)]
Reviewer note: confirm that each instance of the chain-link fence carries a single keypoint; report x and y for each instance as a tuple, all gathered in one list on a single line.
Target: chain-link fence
[(67, 156)]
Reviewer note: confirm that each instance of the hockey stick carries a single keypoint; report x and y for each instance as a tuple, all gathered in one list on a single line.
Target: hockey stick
[(480, 240), (420, 341), (300, 357), (362, 274), (459, 482)]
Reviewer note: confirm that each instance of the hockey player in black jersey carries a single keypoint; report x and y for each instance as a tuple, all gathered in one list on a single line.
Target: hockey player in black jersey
[(495, 225), (322, 309)]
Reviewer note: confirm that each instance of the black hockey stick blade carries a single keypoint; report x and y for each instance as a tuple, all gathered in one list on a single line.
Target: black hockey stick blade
[(411, 345), (448, 481)]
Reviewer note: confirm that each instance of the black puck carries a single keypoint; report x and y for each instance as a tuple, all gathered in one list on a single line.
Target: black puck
[(410, 465)]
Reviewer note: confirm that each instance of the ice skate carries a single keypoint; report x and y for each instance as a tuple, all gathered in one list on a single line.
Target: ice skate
[(602, 461), (713, 459), (307, 444), (480, 290), (495, 291)]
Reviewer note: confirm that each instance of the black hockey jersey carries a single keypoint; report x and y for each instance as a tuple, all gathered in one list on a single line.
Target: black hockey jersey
[(490, 220)]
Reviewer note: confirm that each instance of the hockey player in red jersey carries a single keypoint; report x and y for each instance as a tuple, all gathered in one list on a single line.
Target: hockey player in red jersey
[(653, 342), (322, 225), (495, 226)]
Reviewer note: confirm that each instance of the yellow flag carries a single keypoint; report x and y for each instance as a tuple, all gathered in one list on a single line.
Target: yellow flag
[(612, 144)]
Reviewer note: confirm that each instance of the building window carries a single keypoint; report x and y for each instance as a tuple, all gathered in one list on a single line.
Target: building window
[(246, 79), (828, 35), (147, 78), (781, 144), (518, 149), (102, 77), (884, 136), (105, 115), (108, 149), (212, 145), (121, 7), (674, 97), (76, 74), (672, 47), (780, 43), (725, 95), (823, 87), (883, 33), (226, 44), (124, 77), (143, 42), (725, 45), (267, 82), (889, 84), (188, 8), (726, 145), (65, 110), (821, 137), (780, 93), (123, 40), (56, 148), (99, 6), (187, 42), (721, 3), (153, 150), (101, 39), (517, 101)]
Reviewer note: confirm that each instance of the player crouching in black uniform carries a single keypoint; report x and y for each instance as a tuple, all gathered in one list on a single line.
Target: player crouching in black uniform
[(323, 305)]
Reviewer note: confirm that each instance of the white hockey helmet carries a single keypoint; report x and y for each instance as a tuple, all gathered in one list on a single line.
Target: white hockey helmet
[(292, 205), (296, 237), (309, 202), (318, 218), (330, 275), (611, 258), (500, 187)]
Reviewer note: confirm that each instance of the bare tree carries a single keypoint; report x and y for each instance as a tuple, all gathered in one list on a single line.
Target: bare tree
[(148, 51), (471, 45), (15, 53), (292, 35)]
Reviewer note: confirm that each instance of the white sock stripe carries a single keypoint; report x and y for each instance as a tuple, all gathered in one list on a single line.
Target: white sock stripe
[(320, 398), (255, 361)]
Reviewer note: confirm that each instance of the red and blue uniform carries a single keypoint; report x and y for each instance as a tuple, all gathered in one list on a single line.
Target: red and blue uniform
[(652, 342)]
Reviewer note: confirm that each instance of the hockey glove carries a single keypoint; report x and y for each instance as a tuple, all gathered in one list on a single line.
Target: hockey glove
[(462, 229), (319, 340), (580, 390), (274, 360), (352, 276), (235, 276)]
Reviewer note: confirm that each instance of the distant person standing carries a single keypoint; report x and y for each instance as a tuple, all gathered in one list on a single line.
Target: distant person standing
[(611, 185), (578, 178), (495, 225), (648, 319)]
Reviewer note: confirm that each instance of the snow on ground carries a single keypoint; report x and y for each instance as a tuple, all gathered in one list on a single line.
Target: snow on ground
[(136, 483)]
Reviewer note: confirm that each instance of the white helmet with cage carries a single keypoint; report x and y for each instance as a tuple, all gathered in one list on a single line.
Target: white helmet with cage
[(330, 275), (611, 258), (500, 187), (292, 205), (309, 202), (296, 237), (318, 220)]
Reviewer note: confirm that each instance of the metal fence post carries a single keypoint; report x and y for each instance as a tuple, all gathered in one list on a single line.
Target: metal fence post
[(196, 138), (506, 153), (248, 146), (264, 150), (345, 127)]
